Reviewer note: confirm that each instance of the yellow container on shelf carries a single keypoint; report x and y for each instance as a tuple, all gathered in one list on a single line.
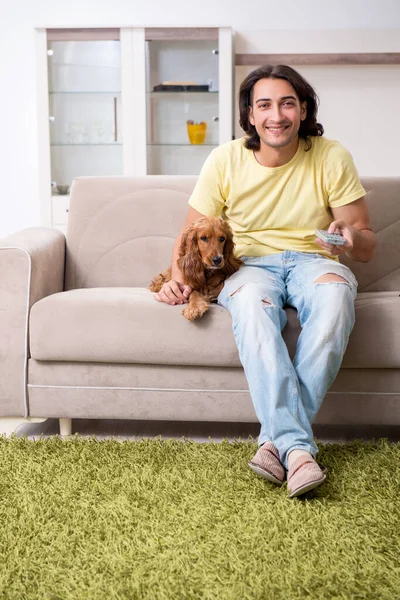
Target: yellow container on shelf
[(196, 132)]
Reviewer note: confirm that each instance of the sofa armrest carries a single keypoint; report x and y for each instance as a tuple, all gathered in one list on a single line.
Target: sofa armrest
[(31, 267)]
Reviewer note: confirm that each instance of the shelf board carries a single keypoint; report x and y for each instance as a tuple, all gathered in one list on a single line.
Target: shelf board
[(317, 59), (179, 93), (104, 144), (185, 144), (120, 144), (81, 92)]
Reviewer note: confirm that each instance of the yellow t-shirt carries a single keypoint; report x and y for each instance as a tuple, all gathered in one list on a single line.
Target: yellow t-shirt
[(272, 209)]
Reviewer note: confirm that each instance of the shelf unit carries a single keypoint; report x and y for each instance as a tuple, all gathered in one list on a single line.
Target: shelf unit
[(99, 115)]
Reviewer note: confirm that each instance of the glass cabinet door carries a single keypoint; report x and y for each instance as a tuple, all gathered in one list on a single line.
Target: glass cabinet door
[(182, 104), (85, 107)]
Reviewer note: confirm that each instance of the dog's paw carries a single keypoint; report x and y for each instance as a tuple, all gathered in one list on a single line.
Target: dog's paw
[(194, 312)]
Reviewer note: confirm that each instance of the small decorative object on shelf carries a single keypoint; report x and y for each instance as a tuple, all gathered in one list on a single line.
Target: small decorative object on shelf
[(63, 189), (196, 131), (180, 86)]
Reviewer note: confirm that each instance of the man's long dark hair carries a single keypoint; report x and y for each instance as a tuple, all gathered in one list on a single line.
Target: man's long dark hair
[(305, 92)]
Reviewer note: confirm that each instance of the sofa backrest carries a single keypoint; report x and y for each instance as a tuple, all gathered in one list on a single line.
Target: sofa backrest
[(382, 273), (121, 230)]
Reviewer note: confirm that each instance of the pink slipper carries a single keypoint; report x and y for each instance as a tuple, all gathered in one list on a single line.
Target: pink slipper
[(304, 475), (267, 464)]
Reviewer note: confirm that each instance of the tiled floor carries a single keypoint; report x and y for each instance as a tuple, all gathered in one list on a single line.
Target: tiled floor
[(201, 432)]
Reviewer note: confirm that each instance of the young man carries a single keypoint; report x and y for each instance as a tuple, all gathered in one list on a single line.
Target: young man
[(275, 187)]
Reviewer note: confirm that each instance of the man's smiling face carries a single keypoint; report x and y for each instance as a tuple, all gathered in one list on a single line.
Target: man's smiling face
[(276, 112)]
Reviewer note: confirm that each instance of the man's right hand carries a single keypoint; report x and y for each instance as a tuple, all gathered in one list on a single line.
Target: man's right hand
[(173, 292)]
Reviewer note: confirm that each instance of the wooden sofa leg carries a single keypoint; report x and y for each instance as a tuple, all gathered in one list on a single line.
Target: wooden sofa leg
[(65, 427)]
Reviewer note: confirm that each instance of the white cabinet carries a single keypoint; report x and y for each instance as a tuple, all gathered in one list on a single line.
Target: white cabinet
[(60, 208), (183, 105), (133, 101)]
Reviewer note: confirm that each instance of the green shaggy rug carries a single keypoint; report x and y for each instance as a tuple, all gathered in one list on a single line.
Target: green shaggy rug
[(171, 520)]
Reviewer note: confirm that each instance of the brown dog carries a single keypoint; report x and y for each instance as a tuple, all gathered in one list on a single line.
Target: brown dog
[(205, 260)]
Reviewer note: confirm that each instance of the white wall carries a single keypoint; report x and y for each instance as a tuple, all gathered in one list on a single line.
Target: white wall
[(357, 103), (19, 196)]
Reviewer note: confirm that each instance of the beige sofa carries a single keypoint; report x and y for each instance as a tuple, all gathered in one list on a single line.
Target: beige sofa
[(82, 337)]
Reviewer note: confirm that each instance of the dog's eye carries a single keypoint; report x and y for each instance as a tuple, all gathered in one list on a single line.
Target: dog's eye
[(204, 238), (222, 239)]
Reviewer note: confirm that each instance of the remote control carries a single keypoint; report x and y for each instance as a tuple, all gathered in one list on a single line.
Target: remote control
[(330, 238)]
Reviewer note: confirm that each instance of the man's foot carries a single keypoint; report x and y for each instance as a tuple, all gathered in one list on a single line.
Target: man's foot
[(304, 474), (266, 463)]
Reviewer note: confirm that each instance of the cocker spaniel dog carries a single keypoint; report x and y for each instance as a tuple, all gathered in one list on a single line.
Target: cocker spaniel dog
[(205, 260)]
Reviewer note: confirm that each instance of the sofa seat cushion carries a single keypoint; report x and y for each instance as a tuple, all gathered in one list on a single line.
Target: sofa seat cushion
[(375, 339), (126, 325)]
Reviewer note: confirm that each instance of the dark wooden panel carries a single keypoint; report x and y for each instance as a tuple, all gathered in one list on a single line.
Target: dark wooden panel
[(367, 58), (181, 33), (77, 35)]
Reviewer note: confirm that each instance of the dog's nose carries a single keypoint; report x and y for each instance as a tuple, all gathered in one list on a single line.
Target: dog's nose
[(217, 260)]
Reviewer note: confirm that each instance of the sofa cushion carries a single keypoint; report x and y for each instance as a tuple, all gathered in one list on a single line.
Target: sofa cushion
[(126, 325), (121, 230)]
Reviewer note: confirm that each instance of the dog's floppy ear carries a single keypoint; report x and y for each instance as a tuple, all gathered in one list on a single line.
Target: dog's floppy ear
[(189, 261), (232, 263)]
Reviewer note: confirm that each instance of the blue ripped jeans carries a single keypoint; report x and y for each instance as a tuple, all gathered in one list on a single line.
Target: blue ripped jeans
[(287, 396)]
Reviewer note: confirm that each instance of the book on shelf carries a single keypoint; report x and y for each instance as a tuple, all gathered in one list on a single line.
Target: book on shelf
[(180, 86)]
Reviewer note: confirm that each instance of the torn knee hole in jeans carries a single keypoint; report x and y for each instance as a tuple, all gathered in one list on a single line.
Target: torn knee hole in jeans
[(331, 278)]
